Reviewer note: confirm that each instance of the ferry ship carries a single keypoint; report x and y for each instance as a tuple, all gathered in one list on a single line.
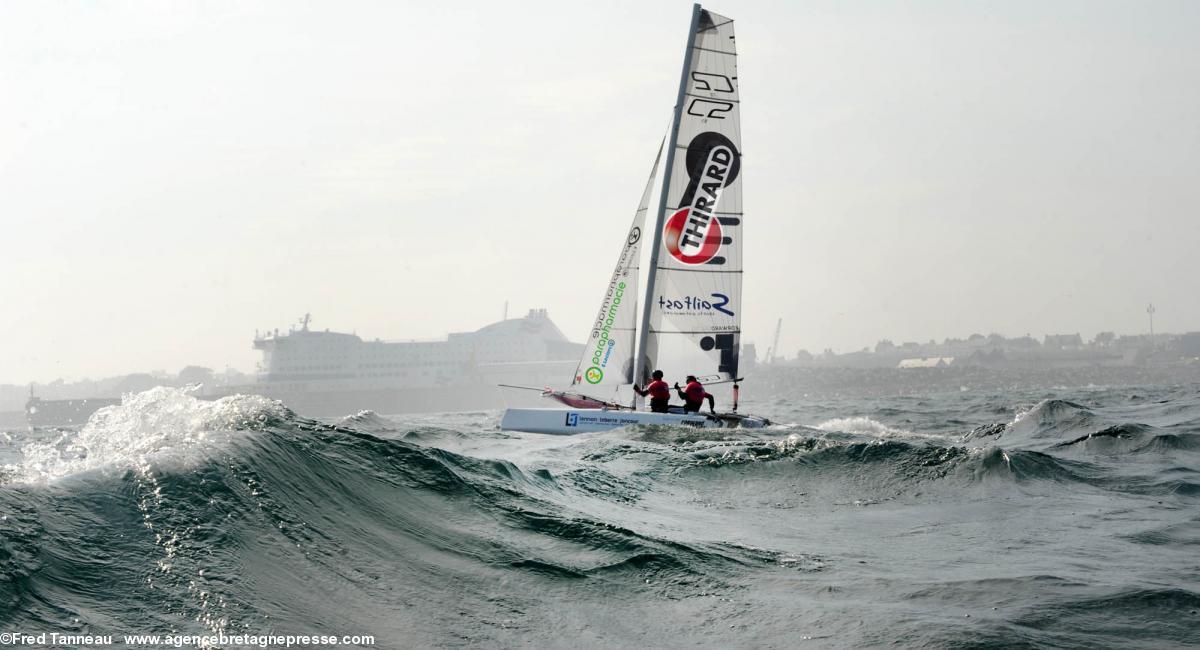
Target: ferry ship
[(324, 374), (330, 374), (64, 412)]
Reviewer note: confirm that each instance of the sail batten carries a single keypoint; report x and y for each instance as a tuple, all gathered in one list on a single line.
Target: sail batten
[(714, 51)]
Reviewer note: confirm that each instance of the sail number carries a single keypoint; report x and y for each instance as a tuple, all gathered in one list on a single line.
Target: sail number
[(711, 107)]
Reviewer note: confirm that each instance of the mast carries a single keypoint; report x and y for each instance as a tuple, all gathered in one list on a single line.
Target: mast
[(639, 360)]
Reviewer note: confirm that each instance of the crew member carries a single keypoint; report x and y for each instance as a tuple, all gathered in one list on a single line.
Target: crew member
[(693, 396), (658, 391)]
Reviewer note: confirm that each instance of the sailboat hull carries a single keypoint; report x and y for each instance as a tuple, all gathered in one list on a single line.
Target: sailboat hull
[(565, 422)]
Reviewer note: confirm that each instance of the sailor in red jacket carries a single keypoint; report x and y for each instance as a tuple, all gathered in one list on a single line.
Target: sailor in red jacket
[(658, 391), (693, 396)]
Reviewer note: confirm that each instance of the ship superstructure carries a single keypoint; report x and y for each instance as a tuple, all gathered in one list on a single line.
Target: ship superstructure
[(307, 355), (324, 373)]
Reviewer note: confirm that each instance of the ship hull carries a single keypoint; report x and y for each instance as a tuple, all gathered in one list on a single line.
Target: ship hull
[(333, 403), (566, 422), (64, 412)]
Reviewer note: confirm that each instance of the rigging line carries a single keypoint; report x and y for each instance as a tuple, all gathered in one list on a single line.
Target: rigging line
[(521, 387)]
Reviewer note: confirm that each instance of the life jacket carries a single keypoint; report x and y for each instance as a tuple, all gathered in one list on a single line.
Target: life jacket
[(658, 389), (695, 393)]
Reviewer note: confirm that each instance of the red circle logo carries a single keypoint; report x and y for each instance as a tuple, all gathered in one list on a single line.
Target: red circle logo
[(673, 234)]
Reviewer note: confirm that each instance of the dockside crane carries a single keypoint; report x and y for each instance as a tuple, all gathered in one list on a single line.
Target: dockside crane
[(771, 351)]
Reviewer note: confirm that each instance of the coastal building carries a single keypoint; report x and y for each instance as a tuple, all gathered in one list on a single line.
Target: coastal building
[(1063, 342), (926, 362)]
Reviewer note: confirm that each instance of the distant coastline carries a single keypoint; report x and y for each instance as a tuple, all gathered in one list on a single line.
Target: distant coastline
[(1025, 352), (798, 382), (978, 362)]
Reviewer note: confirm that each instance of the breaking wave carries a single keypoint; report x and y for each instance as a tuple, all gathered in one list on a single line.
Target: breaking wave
[(169, 512)]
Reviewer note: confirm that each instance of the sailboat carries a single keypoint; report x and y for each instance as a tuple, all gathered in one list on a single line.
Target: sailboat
[(690, 317)]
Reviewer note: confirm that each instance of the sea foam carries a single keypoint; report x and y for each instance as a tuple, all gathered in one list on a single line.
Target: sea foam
[(160, 423)]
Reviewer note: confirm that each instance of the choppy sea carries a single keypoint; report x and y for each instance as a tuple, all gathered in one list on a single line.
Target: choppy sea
[(1064, 518)]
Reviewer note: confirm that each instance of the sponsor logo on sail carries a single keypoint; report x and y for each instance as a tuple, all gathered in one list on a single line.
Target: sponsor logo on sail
[(716, 302), (693, 235), (602, 332)]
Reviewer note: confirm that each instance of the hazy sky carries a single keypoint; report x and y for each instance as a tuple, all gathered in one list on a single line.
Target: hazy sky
[(175, 175)]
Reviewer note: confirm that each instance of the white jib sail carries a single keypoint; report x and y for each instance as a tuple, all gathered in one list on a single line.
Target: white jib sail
[(695, 312), (608, 353)]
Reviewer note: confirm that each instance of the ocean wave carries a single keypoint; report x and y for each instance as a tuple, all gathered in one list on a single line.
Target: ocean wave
[(247, 526), (1089, 621), (1054, 418), (885, 469), (1170, 442), (1182, 534), (1111, 439), (238, 515), (1062, 426), (156, 424), (1027, 466), (369, 421), (863, 426)]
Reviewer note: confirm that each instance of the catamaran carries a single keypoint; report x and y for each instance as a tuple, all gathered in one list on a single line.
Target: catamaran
[(690, 321)]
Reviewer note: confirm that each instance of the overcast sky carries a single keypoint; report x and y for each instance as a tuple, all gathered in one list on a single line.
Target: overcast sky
[(175, 175)]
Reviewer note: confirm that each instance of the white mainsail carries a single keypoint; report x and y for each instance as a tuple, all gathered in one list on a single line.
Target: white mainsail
[(694, 292), (608, 354)]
